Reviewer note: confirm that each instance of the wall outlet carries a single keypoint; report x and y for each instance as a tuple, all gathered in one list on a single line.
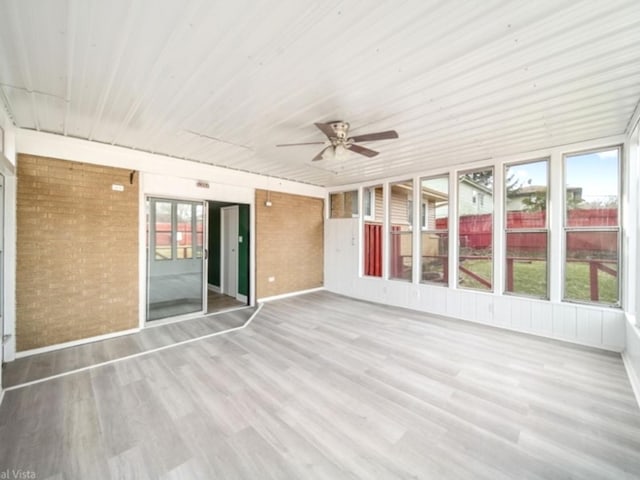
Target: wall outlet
[(271, 279), (240, 239)]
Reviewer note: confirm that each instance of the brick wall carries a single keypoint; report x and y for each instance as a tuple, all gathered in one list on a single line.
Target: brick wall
[(77, 252), (289, 243)]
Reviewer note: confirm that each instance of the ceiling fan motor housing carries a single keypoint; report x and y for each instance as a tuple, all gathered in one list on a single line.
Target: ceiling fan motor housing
[(341, 129)]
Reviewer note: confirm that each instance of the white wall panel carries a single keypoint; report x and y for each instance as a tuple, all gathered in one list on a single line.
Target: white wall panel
[(433, 299), (485, 308), (541, 317), (612, 333), (564, 321), (454, 301), (631, 355), (467, 307), (502, 311), (589, 326)]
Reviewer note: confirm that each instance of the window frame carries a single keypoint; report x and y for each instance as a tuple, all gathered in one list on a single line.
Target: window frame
[(428, 231), (508, 230), (370, 193), (399, 234), (459, 174), (618, 228), (356, 204)]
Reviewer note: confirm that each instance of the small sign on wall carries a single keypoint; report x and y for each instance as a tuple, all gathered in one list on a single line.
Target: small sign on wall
[(117, 188), (202, 184)]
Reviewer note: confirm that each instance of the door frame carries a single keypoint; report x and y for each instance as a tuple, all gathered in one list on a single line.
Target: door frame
[(149, 243), (224, 262)]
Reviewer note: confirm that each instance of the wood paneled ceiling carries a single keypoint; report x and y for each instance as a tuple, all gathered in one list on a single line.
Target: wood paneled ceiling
[(224, 82)]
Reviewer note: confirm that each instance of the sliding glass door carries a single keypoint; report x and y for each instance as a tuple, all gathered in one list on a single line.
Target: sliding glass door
[(176, 258)]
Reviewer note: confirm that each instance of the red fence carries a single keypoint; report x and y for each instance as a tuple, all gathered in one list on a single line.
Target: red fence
[(475, 230), (163, 234)]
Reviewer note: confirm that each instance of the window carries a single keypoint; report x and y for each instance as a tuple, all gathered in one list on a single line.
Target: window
[(475, 229), (434, 239), (163, 230), (400, 237), (526, 199), (369, 202), (423, 214), (184, 244), (372, 244), (343, 204), (592, 227)]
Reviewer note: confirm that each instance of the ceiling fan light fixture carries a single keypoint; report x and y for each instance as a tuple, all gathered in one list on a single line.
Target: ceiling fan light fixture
[(340, 152), (340, 144), (329, 153)]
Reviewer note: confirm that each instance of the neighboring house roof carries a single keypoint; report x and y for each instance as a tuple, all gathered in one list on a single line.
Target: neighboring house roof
[(477, 185), (533, 189)]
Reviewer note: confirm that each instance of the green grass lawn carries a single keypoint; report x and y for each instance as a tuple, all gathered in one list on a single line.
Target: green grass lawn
[(531, 279)]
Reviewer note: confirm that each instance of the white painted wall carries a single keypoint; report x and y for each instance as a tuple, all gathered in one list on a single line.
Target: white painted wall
[(7, 168), (584, 324), (631, 357), (632, 261)]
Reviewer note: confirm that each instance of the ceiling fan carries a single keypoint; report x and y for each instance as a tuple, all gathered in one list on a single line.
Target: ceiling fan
[(337, 132)]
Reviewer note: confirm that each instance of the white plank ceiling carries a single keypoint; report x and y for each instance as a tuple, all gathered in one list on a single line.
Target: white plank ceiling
[(224, 82)]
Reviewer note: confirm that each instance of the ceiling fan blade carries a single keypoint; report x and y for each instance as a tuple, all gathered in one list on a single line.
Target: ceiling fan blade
[(367, 152), (296, 144), (319, 156), (326, 129), (370, 137)]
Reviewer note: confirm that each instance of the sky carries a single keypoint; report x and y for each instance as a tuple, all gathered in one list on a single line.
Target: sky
[(597, 174)]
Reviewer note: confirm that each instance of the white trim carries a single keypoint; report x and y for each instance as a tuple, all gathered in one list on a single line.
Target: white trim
[(213, 288), (139, 354), (143, 262), (634, 120), (177, 318), (75, 343), (573, 341), (189, 316), (290, 294), (242, 298), (634, 377), (68, 148), (6, 167), (1, 396)]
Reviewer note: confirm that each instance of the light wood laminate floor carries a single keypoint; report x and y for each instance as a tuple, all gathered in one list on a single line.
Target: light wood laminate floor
[(219, 302), (36, 367), (322, 386)]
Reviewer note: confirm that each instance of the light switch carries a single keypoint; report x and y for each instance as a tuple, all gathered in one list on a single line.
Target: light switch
[(240, 239)]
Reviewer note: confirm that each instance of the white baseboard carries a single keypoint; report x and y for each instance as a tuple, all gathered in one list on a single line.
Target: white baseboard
[(632, 329), (74, 343), (214, 288), (634, 378), (290, 294)]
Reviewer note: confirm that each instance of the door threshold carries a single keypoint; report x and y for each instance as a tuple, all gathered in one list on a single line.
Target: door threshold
[(227, 310), (178, 318)]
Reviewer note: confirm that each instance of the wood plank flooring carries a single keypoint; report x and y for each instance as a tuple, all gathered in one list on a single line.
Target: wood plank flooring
[(322, 386), (36, 367), (218, 302)]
